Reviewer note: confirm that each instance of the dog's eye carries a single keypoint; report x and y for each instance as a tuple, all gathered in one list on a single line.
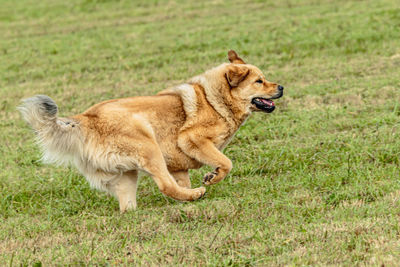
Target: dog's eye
[(259, 81)]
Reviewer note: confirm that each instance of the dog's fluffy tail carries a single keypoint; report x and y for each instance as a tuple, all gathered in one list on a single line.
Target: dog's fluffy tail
[(59, 138)]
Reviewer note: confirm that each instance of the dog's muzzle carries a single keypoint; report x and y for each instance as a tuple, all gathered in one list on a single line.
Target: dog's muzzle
[(266, 104)]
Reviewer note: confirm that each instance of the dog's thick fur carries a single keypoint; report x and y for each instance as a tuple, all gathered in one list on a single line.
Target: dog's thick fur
[(165, 135)]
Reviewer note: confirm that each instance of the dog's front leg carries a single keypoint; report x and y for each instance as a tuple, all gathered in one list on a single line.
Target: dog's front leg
[(204, 151)]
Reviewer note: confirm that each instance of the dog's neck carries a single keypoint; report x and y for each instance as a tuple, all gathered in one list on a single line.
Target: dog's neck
[(229, 109)]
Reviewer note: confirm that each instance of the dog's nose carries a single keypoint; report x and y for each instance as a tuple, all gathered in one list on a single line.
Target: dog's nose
[(280, 87)]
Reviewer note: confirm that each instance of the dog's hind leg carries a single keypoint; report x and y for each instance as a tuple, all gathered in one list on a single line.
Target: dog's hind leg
[(182, 178), (145, 153), (153, 163), (124, 187)]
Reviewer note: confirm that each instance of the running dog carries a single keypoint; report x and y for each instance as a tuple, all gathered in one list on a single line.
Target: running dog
[(164, 135)]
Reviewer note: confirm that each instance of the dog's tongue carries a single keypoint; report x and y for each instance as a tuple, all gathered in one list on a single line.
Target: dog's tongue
[(268, 102)]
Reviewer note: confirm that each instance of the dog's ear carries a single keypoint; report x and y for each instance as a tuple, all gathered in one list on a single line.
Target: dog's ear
[(236, 75), (234, 58)]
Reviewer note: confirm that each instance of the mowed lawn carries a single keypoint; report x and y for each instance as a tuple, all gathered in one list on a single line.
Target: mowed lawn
[(316, 182)]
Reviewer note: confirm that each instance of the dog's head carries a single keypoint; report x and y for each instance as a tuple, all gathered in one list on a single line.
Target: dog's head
[(247, 84)]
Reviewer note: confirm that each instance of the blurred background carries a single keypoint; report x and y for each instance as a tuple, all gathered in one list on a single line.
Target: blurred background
[(315, 182)]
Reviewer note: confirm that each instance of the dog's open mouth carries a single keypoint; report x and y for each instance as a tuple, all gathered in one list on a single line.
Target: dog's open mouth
[(266, 105)]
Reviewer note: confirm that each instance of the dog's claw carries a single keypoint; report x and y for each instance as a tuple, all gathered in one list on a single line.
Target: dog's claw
[(209, 177), (205, 192), (201, 192)]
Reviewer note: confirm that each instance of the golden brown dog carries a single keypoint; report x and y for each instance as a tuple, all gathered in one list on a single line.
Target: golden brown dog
[(165, 135)]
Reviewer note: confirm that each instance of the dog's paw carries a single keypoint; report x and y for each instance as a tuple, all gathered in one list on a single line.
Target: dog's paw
[(199, 193), (209, 177)]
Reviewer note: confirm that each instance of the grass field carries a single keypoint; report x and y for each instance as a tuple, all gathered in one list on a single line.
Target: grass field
[(314, 183)]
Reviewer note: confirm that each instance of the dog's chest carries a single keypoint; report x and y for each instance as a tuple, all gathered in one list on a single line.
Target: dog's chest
[(224, 138), (228, 133)]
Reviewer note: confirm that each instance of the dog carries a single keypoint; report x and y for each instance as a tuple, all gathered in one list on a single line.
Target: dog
[(164, 135)]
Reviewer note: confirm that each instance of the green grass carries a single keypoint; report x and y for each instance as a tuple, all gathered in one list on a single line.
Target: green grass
[(314, 183)]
